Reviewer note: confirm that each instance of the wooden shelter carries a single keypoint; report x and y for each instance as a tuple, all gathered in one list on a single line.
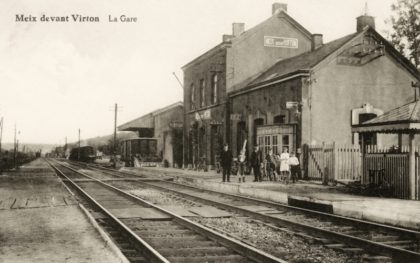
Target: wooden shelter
[(402, 120)]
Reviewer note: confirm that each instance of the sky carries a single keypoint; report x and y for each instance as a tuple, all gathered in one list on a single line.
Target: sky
[(58, 77)]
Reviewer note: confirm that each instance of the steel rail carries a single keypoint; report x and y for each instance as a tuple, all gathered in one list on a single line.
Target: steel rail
[(238, 246), (148, 251), (398, 254), (401, 255), (393, 229)]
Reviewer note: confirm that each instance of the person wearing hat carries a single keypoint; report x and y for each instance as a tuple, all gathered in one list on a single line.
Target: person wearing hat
[(271, 165), (226, 162), (256, 160)]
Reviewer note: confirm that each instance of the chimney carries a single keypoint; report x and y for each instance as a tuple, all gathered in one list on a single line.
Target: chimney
[(238, 29), (277, 7), (316, 41), (363, 21), (227, 38)]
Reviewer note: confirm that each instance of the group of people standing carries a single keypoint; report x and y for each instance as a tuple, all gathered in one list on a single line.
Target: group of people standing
[(278, 167)]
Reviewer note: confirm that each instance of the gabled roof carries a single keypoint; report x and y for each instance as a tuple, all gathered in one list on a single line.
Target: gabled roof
[(399, 120), (207, 54), (304, 61), (281, 14), (406, 113), (147, 120), (168, 108)]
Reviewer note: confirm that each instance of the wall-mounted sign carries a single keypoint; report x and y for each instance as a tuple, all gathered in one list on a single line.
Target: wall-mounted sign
[(291, 104), (175, 124), (284, 42), (235, 117), (275, 129), (204, 115)]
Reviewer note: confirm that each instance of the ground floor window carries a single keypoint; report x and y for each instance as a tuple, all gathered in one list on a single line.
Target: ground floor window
[(279, 119), (360, 115), (276, 137)]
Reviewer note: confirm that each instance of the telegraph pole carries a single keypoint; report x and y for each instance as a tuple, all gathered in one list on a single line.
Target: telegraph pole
[(14, 149), (78, 150), (114, 143), (1, 132), (65, 146), (115, 130)]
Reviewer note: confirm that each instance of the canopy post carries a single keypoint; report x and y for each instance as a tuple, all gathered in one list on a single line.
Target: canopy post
[(363, 150), (412, 166)]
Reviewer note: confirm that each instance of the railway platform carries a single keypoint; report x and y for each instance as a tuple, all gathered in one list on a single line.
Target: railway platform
[(311, 195), (41, 221)]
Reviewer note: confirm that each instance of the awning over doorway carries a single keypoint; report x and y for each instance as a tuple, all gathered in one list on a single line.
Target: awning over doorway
[(403, 119)]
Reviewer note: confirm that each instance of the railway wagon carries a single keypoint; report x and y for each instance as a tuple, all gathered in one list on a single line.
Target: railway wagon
[(140, 152), (87, 154)]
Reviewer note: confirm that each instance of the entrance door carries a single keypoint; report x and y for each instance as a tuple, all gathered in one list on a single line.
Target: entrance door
[(257, 122), (215, 143), (368, 138), (241, 136)]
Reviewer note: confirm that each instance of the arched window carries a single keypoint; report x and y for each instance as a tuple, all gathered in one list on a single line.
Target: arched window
[(214, 88), (279, 119), (241, 135), (202, 92), (192, 98), (257, 122)]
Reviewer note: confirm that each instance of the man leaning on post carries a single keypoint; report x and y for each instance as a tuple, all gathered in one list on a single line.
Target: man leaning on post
[(226, 162)]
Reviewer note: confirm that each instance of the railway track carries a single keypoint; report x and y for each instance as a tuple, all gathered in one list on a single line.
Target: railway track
[(338, 232), (154, 234)]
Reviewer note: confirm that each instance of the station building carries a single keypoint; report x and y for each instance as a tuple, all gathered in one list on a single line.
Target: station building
[(165, 125), (316, 96), (229, 67)]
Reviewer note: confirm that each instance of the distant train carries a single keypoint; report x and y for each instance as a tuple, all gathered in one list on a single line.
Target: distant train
[(140, 152), (83, 154)]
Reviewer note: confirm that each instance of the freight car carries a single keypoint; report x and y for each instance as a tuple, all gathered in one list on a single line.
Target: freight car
[(140, 152), (83, 154)]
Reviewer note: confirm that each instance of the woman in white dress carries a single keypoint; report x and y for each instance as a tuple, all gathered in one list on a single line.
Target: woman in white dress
[(284, 165)]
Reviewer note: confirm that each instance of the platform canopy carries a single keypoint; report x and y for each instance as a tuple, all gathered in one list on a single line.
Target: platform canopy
[(404, 119)]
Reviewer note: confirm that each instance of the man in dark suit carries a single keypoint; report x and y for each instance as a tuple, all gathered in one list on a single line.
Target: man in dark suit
[(255, 160), (226, 162)]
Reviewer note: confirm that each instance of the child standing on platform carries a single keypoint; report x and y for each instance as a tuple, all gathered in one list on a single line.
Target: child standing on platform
[(284, 165), (241, 164), (294, 166)]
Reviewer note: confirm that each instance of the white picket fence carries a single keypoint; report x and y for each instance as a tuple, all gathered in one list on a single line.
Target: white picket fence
[(333, 162)]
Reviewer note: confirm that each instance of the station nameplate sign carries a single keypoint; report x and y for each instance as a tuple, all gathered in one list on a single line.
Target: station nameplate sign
[(291, 104), (269, 130), (174, 124), (204, 115), (284, 42), (235, 117)]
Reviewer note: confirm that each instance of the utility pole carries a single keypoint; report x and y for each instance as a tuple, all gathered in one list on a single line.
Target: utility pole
[(114, 143), (17, 151), (14, 149), (415, 85), (115, 130), (1, 132), (78, 150), (65, 146)]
